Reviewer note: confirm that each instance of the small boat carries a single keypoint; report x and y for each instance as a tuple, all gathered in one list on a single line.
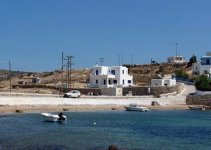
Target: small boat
[(136, 107), (197, 108), (53, 117)]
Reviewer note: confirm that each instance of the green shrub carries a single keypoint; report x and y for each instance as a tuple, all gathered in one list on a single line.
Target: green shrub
[(203, 83), (181, 74)]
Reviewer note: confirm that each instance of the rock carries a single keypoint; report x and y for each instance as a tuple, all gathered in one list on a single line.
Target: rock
[(155, 103), (65, 109), (18, 111), (112, 147)]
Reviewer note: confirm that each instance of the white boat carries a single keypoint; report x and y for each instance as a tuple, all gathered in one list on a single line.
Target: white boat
[(53, 117), (136, 107), (197, 108)]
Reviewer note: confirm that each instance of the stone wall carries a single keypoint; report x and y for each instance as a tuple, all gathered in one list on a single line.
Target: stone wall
[(198, 100), (138, 91)]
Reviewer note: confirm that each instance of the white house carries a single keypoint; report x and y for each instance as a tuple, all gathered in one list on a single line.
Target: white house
[(202, 67), (163, 82), (176, 59), (114, 76)]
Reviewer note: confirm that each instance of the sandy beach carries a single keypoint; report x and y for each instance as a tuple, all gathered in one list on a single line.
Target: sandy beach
[(17, 103), (8, 109)]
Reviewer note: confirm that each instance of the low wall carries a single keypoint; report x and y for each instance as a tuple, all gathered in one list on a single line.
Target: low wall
[(138, 91), (198, 100)]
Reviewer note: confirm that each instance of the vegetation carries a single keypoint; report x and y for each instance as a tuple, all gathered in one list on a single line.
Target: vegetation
[(181, 74), (203, 83)]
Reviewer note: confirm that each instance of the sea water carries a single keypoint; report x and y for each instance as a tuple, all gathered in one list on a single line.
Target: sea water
[(154, 130)]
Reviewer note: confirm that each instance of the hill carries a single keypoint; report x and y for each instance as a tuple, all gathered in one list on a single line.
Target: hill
[(79, 78)]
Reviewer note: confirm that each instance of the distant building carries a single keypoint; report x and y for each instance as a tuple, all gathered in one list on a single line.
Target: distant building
[(163, 82), (28, 80), (168, 81), (176, 59), (114, 76), (202, 67)]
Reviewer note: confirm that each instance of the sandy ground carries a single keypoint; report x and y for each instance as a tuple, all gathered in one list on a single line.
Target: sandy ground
[(34, 104), (6, 109), (30, 103)]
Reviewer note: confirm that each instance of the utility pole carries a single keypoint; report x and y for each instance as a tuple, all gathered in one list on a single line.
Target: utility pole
[(101, 61), (119, 58), (69, 69), (62, 73), (10, 76), (176, 49), (151, 72), (132, 61)]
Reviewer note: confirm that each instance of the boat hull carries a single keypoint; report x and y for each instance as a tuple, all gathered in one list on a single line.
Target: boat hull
[(141, 109), (52, 117), (197, 108)]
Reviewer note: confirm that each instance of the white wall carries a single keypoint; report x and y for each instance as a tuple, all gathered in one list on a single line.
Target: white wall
[(105, 73), (196, 68), (163, 82), (157, 82), (205, 67)]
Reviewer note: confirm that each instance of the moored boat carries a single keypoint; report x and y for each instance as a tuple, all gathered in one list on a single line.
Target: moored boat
[(53, 117), (197, 108), (136, 107)]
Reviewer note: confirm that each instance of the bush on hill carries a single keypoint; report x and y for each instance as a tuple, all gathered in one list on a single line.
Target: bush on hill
[(181, 74), (203, 83)]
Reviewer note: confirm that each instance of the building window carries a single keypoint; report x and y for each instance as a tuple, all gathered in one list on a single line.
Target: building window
[(205, 72), (123, 71), (109, 82), (115, 81), (129, 81), (104, 82), (97, 73), (113, 72), (123, 82), (96, 81)]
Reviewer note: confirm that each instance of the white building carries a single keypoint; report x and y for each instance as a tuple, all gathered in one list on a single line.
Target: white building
[(202, 67), (163, 82), (115, 76), (176, 59)]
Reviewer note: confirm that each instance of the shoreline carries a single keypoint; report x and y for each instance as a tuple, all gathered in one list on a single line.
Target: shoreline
[(27, 103), (13, 109)]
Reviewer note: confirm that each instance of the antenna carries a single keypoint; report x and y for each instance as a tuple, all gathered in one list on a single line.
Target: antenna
[(119, 55), (101, 61)]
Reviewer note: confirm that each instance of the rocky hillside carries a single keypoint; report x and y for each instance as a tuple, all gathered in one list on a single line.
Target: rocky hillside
[(141, 74)]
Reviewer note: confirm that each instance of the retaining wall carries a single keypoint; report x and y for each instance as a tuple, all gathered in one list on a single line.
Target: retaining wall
[(137, 91), (198, 100)]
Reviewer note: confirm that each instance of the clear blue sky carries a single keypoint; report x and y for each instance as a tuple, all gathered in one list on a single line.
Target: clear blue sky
[(33, 33)]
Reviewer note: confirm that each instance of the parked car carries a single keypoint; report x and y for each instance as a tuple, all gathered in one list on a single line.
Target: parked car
[(73, 94)]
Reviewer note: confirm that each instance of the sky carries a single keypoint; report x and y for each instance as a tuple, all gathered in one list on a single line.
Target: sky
[(34, 33)]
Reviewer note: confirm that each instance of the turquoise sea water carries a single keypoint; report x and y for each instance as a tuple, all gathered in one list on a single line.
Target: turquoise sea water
[(155, 130)]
